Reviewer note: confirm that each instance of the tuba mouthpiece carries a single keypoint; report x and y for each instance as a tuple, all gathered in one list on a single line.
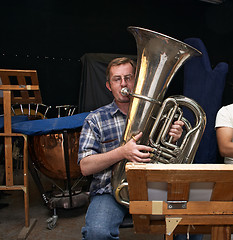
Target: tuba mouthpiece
[(125, 91)]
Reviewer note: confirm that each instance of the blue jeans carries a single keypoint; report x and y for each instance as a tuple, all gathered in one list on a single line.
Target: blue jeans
[(191, 237), (103, 218)]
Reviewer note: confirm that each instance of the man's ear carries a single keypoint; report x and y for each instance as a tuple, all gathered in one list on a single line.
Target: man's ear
[(108, 86)]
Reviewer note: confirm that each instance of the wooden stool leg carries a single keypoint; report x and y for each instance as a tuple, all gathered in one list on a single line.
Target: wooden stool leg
[(26, 190), (8, 162), (29, 223), (221, 233)]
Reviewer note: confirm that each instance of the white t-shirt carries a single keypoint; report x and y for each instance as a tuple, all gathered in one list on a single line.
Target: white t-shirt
[(224, 118)]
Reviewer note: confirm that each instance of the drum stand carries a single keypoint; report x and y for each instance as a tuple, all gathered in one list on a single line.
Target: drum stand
[(68, 198)]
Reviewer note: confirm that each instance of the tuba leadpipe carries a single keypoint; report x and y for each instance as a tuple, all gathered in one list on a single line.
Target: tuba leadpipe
[(158, 59)]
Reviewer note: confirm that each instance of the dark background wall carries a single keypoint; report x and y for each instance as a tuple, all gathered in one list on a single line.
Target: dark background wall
[(51, 36)]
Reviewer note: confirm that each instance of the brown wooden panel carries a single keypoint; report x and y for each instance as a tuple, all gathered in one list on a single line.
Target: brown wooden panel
[(182, 229), (140, 207), (191, 175), (206, 220), (222, 191), (178, 192), (139, 181), (161, 229), (139, 192), (4, 78), (221, 233), (141, 223)]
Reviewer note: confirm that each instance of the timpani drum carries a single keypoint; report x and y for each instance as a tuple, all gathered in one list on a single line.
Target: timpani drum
[(53, 149), (49, 156)]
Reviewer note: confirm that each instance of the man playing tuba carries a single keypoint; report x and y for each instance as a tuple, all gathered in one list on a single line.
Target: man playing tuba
[(99, 150)]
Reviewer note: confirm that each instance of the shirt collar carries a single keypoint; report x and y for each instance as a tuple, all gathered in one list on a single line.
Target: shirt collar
[(115, 109)]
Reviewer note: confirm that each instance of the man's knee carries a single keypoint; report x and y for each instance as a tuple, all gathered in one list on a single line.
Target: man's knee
[(98, 232)]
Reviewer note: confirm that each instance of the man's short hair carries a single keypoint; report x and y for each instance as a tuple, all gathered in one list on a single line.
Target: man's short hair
[(117, 62)]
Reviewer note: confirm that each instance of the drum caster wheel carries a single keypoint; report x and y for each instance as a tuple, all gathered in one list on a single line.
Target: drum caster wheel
[(52, 222)]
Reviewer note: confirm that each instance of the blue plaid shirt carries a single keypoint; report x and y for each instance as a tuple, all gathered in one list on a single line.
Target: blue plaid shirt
[(101, 132)]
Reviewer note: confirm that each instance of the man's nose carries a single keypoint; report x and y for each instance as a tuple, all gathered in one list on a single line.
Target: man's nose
[(123, 82)]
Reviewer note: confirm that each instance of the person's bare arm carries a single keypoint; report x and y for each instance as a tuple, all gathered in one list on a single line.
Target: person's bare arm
[(224, 138), (130, 151)]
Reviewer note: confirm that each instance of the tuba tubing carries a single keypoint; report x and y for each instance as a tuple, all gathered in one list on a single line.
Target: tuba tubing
[(158, 59)]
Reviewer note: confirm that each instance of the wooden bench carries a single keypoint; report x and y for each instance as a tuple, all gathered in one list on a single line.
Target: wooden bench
[(180, 198)]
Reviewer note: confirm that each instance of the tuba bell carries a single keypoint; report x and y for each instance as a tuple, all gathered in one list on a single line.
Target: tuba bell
[(158, 59)]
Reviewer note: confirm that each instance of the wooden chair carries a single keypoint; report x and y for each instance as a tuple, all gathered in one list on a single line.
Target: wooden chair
[(18, 87), (180, 198)]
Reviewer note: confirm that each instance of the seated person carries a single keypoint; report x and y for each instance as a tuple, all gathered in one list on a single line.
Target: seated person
[(224, 132), (99, 150)]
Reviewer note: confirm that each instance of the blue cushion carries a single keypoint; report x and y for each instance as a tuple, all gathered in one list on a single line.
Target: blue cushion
[(205, 85), (45, 126)]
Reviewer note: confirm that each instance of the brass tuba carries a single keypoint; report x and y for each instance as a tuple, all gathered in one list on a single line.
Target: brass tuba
[(158, 59)]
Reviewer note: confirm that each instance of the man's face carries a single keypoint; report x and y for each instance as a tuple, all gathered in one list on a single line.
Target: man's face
[(121, 76)]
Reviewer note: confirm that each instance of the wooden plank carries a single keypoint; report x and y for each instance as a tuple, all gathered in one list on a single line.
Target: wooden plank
[(141, 207), (141, 223), (184, 172), (206, 220), (193, 208), (9, 71), (18, 87), (8, 140), (8, 161), (14, 187), (11, 134), (178, 191), (26, 230), (180, 229), (7, 111), (221, 233), (26, 186), (4, 78), (137, 179), (222, 191), (191, 176), (22, 81), (34, 78), (160, 228)]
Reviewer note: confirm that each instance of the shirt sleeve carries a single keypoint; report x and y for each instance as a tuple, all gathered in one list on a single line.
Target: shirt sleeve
[(224, 117), (89, 141)]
